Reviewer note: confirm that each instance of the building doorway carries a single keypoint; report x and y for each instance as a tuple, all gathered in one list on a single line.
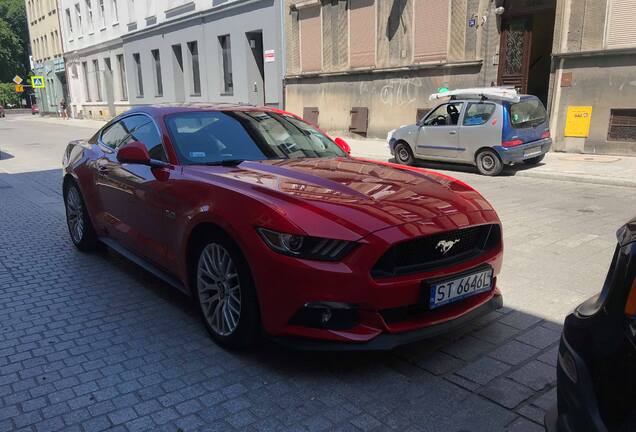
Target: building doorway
[(256, 68), (526, 48)]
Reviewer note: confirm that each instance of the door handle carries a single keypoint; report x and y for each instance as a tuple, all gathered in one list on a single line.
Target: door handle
[(452, 133)]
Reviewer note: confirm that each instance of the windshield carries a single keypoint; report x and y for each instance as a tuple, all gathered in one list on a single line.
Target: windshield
[(527, 113), (208, 137)]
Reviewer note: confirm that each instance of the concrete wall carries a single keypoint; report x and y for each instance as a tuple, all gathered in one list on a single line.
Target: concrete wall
[(393, 98), (604, 82)]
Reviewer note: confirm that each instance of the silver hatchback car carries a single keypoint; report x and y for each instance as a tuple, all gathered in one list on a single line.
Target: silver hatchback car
[(486, 127)]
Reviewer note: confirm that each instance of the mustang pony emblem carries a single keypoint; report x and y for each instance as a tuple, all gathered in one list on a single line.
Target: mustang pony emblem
[(445, 245)]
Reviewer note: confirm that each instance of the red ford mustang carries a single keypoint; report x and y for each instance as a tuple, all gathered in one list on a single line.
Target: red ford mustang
[(271, 226)]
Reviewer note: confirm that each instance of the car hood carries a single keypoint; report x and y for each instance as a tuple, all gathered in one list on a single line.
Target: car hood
[(360, 195)]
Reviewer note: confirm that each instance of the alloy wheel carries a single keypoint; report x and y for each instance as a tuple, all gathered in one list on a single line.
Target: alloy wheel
[(219, 289), (75, 214)]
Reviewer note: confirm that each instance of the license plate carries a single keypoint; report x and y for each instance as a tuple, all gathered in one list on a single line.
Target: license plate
[(532, 152), (452, 290)]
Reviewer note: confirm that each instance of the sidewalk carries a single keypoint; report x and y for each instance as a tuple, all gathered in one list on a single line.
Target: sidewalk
[(584, 168), (83, 123)]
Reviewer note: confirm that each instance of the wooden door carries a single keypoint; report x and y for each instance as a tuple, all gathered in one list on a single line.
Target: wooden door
[(514, 53)]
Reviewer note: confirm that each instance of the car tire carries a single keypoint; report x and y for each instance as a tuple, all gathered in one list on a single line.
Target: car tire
[(78, 221), (225, 293), (404, 154), (534, 160), (488, 163)]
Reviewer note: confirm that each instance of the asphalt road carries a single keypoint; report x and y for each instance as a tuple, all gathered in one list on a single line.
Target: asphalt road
[(89, 342)]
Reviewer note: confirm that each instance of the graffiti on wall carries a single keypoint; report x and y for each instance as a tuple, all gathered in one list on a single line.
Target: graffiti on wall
[(396, 91)]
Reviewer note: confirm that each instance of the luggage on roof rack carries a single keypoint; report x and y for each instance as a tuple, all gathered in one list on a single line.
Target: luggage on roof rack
[(501, 93)]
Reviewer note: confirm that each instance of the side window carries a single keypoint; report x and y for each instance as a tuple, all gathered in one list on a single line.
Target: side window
[(133, 122), (114, 135), (445, 115), (478, 113), (147, 135)]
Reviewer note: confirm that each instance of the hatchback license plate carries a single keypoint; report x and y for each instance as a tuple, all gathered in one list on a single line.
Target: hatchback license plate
[(452, 290), (535, 151)]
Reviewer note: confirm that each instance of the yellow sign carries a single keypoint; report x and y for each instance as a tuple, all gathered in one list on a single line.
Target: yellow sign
[(19, 88), (17, 79), (577, 122), (37, 81)]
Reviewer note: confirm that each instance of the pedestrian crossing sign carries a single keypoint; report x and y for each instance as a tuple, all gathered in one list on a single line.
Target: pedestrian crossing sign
[(37, 81)]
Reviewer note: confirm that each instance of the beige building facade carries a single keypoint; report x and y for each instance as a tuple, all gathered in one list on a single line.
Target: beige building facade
[(368, 66), (46, 53)]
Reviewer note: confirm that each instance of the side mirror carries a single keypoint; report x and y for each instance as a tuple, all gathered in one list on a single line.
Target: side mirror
[(133, 152), (343, 145)]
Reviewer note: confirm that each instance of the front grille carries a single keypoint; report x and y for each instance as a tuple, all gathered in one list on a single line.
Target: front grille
[(425, 253)]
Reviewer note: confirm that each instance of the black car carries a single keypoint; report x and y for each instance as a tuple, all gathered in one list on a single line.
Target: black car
[(596, 371)]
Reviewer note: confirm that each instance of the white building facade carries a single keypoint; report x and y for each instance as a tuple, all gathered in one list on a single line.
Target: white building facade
[(123, 53)]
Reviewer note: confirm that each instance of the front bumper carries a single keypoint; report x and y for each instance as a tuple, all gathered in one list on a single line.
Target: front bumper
[(285, 285), (510, 155), (387, 341)]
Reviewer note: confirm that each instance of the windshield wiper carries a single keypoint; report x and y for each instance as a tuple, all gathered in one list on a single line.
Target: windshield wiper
[(225, 162)]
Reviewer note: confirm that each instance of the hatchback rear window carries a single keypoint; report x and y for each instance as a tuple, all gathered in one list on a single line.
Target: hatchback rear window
[(527, 113)]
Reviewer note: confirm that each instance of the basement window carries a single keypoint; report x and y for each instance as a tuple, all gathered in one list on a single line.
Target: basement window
[(622, 125)]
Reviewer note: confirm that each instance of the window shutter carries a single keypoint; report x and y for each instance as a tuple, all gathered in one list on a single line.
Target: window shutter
[(431, 30), (310, 39), (621, 31), (362, 33)]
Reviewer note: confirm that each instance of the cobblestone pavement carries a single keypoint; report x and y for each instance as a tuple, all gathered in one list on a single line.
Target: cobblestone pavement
[(89, 342)]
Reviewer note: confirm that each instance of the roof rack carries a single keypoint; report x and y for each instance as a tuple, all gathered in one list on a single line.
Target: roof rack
[(502, 93)]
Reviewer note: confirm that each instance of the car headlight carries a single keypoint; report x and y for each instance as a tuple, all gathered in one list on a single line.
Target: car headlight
[(305, 247)]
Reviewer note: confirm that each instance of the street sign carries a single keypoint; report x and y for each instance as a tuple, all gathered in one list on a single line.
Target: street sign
[(270, 56), (37, 81), (17, 80), (19, 88)]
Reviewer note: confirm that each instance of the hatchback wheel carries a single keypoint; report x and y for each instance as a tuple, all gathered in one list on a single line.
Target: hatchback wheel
[(77, 219), (488, 163), (403, 154), (226, 294)]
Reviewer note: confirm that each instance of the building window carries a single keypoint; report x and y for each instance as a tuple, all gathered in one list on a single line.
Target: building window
[(226, 59), (69, 21), (78, 15), (58, 45), (86, 86), (89, 14), (102, 14), (140, 83), (158, 82), (115, 12), (122, 77), (194, 61), (622, 125), (98, 80)]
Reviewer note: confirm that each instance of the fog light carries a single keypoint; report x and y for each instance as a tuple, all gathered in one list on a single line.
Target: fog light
[(326, 315), (568, 365)]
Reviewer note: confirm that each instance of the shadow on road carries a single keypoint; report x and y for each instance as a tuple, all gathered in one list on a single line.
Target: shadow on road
[(508, 171)]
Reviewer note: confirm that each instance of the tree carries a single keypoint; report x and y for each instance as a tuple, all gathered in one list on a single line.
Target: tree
[(8, 95), (14, 40)]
